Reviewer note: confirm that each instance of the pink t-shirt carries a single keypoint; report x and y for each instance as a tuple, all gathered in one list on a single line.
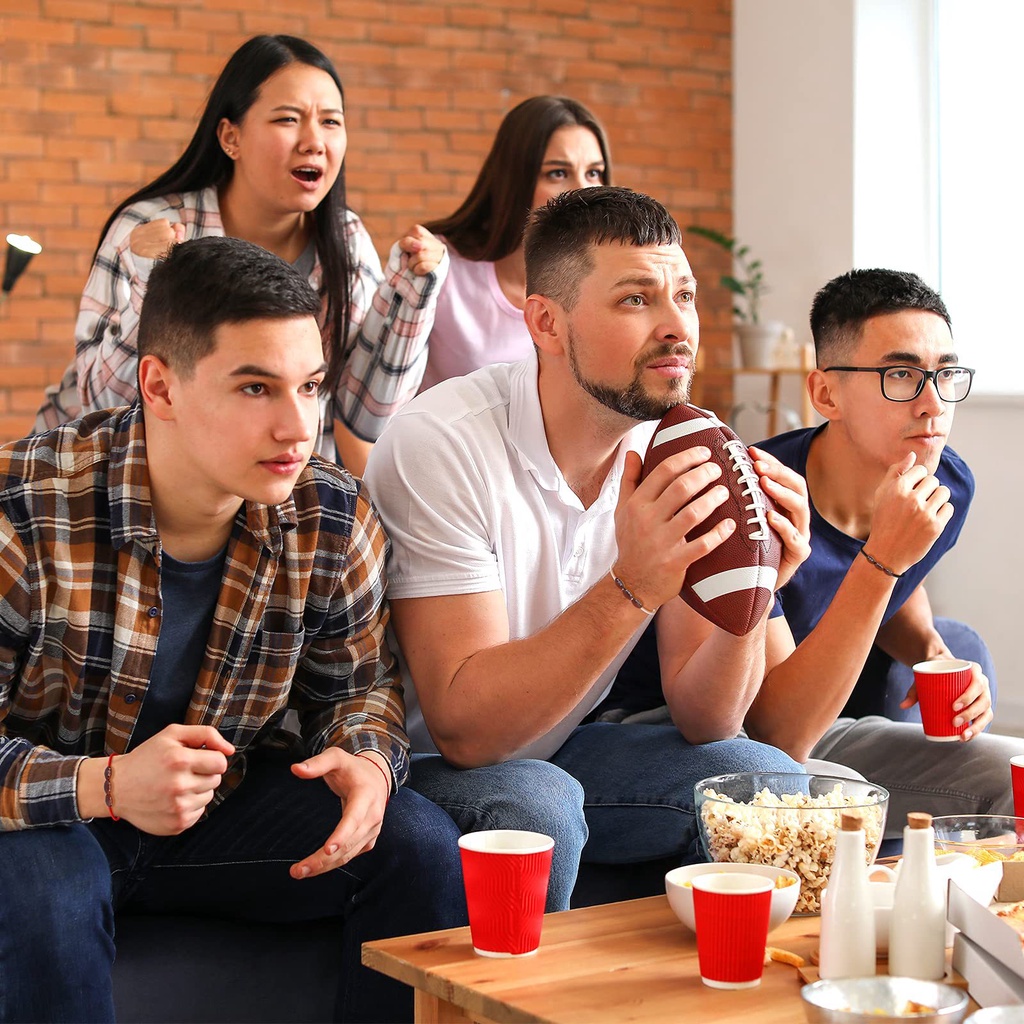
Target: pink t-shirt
[(475, 324)]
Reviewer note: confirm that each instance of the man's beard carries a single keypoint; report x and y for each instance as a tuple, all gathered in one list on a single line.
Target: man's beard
[(634, 401)]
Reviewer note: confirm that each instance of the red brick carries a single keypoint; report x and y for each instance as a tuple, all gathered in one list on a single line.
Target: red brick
[(22, 145), (477, 16), (358, 10), (19, 98), (60, 102), (14, 427), (111, 36), (212, 20), (38, 75), (24, 400), (39, 30), (158, 103), (396, 35), (20, 191), (394, 120), (136, 14)]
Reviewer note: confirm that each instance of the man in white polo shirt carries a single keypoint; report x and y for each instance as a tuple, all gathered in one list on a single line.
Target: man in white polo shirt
[(527, 556)]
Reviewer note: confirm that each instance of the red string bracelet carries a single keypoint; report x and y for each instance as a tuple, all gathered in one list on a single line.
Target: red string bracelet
[(108, 786), (380, 768)]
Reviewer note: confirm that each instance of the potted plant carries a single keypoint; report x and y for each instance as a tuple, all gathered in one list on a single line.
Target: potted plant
[(746, 283)]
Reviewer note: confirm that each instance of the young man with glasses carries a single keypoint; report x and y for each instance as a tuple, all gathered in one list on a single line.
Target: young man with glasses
[(888, 500)]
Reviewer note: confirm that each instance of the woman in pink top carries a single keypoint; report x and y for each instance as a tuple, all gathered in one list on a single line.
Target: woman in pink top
[(545, 146)]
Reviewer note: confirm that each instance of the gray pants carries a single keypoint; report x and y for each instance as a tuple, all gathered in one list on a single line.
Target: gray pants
[(920, 775)]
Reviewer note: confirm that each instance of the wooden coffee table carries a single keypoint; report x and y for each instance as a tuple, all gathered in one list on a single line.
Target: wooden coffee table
[(620, 962)]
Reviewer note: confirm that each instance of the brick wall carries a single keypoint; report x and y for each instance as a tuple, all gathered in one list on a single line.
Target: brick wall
[(98, 96)]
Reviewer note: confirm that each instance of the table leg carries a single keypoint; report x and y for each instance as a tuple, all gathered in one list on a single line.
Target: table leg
[(430, 1009)]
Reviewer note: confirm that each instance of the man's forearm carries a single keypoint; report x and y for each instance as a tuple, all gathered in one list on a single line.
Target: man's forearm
[(509, 694), (804, 693), (910, 635), (717, 677)]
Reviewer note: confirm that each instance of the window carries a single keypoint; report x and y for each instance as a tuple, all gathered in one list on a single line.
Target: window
[(980, 182)]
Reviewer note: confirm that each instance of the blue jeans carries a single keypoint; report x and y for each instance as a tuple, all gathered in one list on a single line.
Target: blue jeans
[(883, 683), (612, 794), (60, 886)]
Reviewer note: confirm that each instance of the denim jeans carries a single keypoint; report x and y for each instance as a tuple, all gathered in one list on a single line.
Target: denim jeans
[(612, 794), (60, 886), (940, 778)]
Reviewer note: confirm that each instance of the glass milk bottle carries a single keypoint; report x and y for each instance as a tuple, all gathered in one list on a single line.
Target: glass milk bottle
[(847, 911), (917, 932)]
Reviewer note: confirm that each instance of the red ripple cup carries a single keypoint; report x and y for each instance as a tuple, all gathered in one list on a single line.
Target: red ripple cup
[(506, 873), (731, 913), (1017, 781), (939, 683)]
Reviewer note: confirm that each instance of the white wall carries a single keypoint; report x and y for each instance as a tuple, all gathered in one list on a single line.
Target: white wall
[(796, 203)]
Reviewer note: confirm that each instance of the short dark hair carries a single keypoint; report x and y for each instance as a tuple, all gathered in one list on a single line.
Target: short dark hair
[(207, 282), (561, 233), (842, 307)]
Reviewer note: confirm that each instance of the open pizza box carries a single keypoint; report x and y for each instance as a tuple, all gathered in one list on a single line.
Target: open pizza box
[(974, 909)]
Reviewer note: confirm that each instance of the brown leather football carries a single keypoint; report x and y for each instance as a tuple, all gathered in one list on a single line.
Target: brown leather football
[(734, 584)]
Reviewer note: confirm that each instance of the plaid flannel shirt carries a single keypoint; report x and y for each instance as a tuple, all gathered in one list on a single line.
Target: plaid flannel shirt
[(384, 356), (299, 623)]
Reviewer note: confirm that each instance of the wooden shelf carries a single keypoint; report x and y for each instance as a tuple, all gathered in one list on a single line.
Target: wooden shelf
[(774, 376)]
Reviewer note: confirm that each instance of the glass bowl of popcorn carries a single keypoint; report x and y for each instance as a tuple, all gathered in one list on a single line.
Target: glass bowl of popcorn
[(787, 820)]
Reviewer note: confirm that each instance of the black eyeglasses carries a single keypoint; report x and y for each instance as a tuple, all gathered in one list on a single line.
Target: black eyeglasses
[(905, 383)]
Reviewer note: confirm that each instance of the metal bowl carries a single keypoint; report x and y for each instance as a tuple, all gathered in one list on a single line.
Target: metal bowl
[(882, 998)]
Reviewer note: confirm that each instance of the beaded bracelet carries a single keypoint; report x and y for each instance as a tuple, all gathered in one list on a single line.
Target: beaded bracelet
[(108, 786), (628, 594), (380, 768), (883, 568)]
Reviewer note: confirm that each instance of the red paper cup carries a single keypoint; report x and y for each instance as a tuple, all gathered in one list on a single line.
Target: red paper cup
[(1017, 781), (939, 683), (731, 914), (506, 872)]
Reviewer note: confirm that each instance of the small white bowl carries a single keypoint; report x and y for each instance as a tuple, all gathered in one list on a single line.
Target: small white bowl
[(680, 895), (997, 1015)]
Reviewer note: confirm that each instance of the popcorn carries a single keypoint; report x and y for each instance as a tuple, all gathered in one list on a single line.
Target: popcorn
[(792, 830)]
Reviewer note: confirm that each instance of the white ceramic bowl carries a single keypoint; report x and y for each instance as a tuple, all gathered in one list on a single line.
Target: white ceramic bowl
[(680, 895), (998, 1015)]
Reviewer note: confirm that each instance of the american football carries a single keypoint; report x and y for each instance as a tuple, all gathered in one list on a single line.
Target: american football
[(732, 585)]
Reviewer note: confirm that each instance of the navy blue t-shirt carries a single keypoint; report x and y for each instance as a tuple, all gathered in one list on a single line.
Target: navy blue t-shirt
[(189, 592), (809, 593)]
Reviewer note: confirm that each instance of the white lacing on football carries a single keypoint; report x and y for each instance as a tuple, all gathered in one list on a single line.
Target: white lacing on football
[(738, 455)]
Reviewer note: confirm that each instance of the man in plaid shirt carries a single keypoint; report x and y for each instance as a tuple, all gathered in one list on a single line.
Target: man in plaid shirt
[(175, 576)]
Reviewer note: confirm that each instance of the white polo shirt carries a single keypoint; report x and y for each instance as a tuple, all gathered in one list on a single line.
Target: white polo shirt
[(473, 502)]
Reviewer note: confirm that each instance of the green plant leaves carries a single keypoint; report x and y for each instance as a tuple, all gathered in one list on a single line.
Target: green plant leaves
[(747, 281)]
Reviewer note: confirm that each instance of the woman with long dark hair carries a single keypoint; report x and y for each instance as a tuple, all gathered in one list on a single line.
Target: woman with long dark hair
[(544, 146), (266, 163)]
